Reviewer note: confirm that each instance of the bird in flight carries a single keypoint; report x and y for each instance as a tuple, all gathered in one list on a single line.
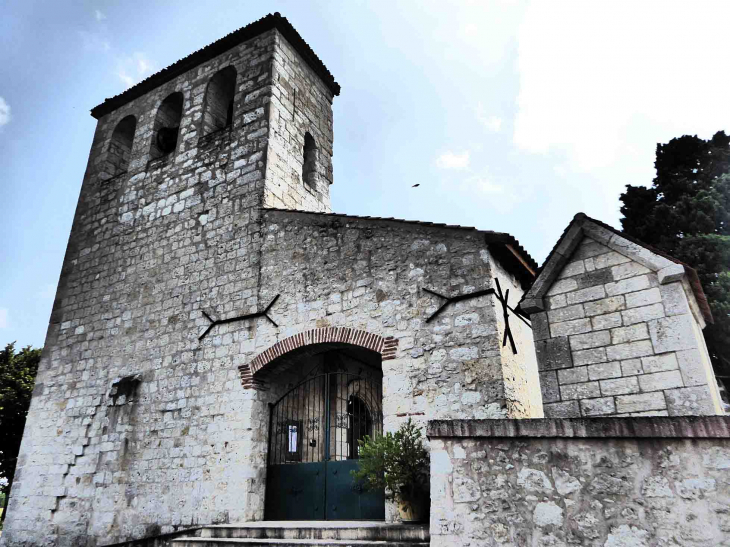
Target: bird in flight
[(415, 185)]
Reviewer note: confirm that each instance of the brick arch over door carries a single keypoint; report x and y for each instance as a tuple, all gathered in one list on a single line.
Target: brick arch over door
[(252, 373)]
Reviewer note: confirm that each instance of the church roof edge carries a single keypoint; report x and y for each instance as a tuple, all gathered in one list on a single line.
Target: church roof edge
[(502, 238), (269, 22)]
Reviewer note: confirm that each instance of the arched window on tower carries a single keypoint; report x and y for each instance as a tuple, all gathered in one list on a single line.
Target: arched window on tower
[(218, 107), (309, 165), (167, 126), (120, 147)]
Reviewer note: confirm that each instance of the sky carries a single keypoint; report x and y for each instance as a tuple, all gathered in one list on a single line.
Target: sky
[(512, 116)]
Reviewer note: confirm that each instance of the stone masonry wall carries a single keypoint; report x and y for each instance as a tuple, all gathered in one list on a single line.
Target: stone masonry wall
[(613, 482), (369, 275), (150, 250), (614, 341), (298, 107)]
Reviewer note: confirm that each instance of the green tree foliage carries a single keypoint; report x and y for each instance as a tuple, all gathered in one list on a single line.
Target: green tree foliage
[(396, 462), (686, 213), (17, 377)]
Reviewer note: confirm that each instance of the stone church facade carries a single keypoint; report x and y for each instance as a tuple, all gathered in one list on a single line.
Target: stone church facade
[(210, 300)]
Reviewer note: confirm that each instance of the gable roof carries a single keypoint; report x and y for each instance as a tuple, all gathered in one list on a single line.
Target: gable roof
[(271, 21), (503, 246), (668, 268)]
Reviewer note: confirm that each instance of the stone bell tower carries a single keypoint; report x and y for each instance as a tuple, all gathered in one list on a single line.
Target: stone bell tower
[(168, 229)]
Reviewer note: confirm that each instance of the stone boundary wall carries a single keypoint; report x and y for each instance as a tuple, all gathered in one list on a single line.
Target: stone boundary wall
[(606, 482)]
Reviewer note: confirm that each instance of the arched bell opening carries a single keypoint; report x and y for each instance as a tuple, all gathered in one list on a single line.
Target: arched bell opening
[(325, 398)]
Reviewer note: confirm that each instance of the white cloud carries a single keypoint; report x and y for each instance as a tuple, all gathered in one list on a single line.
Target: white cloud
[(601, 84), (3, 318), (492, 123), (134, 68), (450, 160), (99, 15), (4, 112), (95, 41)]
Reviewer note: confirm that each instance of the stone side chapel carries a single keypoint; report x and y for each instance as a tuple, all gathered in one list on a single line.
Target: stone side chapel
[(218, 332)]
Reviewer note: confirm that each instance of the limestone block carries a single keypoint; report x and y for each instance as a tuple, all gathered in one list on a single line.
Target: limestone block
[(609, 259), (660, 380), (660, 363), (691, 366), (620, 386), (589, 356), (631, 284), (585, 390), (601, 406), (603, 371), (631, 367), (540, 327), (628, 269), (568, 409), (643, 298), (562, 286), (585, 295), (605, 306), (672, 333), (645, 313), (572, 268), (555, 302), (671, 273), (589, 248), (632, 333), (553, 354), (566, 328), (639, 253), (630, 350), (573, 375), (589, 340), (596, 277), (641, 402), (608, 321), (674, 299), (566, 314), (690, 401), (549, 386)]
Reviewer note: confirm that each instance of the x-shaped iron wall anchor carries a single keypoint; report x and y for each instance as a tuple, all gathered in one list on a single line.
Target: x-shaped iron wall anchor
[(239, 318), (502, 298)]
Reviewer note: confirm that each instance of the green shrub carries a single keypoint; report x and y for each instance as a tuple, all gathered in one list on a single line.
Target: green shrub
[(396, 462)]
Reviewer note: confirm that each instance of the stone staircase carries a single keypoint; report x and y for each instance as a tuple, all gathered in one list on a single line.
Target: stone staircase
[(309, 533)]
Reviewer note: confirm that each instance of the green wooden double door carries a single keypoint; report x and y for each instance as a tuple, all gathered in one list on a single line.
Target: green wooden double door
[(313, 447)]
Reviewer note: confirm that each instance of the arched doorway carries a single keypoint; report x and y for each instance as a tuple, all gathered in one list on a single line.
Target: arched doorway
[(327, 398)]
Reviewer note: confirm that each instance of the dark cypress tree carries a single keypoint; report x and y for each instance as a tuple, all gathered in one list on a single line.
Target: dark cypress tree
[(686, 213)]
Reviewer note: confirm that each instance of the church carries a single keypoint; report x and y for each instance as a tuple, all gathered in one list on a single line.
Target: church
[(221, 340)]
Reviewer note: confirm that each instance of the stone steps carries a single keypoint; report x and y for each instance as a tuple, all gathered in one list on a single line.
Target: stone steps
[(295, 533)]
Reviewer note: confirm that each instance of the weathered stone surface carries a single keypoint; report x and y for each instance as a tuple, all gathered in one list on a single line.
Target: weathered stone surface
[(585, 390), (628, 269), (573, 375), (628, 285), (672, 333), (660, 380), (641, 402), (629, 334), (642, 314), (604, 306), (630, 350), (643, 298), (540, 326), (608, 321), (590, 340), (585, 295), (605, 491), (568, 409), (659, 363), (549, 386), (690, 401), (604, 370), (553, 354), (566, 328), (598, 407), (620, 386), (566, 314), (589, 356)]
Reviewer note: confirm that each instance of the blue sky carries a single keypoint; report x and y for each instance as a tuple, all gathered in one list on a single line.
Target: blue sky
[(512, 116)]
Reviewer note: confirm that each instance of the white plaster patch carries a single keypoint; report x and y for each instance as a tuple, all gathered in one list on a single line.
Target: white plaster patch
[(627, 536), (534, 480)]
